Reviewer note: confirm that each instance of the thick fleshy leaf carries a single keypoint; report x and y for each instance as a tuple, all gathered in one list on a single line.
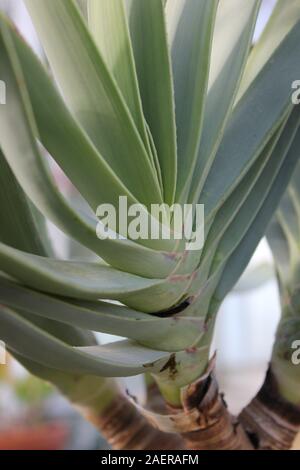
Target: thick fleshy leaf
[(56, 128), (250, 208), (17, 227), (22, 230), (62, 136), (93, 95), (91, 281), (231, 207), (70, 278), (123, 358), (190, 28), (36, 181), (234, 206), (79, 389), (149, 41), (82, 5), (241, 256), (231, 43), (226, 216), (171, 334), (253, 122), (217, 255), (129, 355), (243, 167), (108, 24), (284, 17), (283, 237), (32, 173)]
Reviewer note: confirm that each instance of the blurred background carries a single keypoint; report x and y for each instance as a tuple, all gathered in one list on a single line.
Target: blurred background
[(34, 416)]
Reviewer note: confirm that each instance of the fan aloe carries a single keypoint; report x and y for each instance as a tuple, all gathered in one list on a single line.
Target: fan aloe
[(284, 238), (158, 101), (279, 397)]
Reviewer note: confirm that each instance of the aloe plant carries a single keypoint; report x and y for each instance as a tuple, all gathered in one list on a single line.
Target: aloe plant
[(284, 238), (279, 397), (161, 102)]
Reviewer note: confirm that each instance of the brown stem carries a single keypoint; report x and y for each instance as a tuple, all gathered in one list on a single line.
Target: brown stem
[(271, 422), (217, 430), (126, 429)]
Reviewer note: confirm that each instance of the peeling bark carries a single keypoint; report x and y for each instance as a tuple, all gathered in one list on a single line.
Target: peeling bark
[(216, 428), (126, 429), (271, 422), (202, 420)]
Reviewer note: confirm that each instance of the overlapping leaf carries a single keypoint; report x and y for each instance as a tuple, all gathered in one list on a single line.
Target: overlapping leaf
[(151, 53), (93, 95)]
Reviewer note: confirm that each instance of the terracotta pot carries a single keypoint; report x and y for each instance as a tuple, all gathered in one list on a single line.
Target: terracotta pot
[(38, 437)]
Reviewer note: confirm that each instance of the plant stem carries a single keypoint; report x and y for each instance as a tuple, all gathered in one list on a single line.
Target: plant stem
[(216, 429), (100, 402), (126, 429), (202, 418), (270, 420)]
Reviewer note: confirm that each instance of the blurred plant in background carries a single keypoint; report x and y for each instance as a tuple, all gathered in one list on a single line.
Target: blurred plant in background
[(25, 422)]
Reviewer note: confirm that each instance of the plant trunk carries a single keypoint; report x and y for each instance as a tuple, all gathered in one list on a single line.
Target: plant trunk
[(100, 401), (201, 416), (126, 429), (271, 422), (216, 429)]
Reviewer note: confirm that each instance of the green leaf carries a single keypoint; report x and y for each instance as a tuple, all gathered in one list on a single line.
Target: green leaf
[(283, 237), (123, 358), (220, 250), (93, 95), (149, 42), (190, 29), (284, 17), (91, 281), (263, 185), (17, 226), (170, 334), (130, 356), (35, 179), (82, 5), (254, 121), (231, 44), (29, 86), (63, 137), (233, 204), (108, 24), (79, 389), (226, 222), (242, 254), (22, 231), (70, 278)]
